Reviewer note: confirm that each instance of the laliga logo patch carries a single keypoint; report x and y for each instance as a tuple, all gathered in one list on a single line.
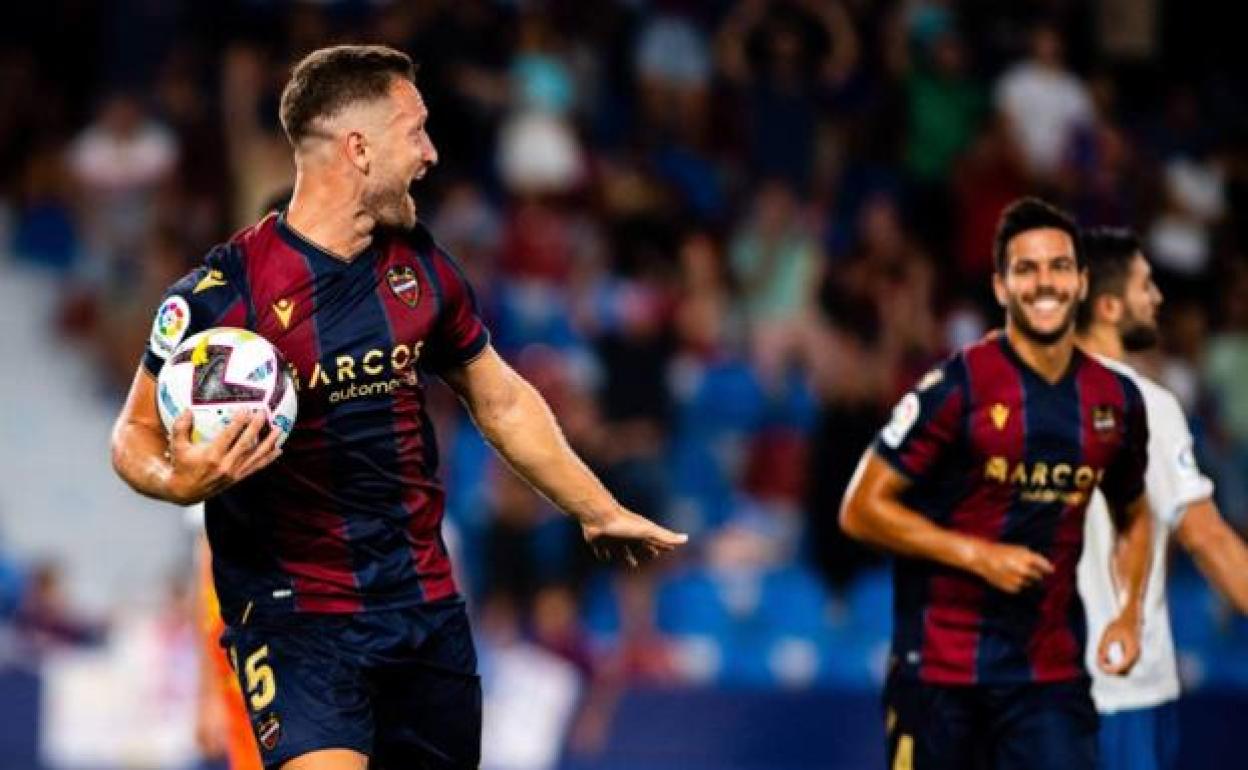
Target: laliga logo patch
[(403, 283), (269, 732), (172, 321), (905, 414)]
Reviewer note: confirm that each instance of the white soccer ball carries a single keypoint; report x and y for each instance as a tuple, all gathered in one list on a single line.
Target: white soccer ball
[(221, 374)]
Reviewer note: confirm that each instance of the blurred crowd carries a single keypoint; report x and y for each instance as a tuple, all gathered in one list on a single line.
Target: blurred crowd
[(721, 237)]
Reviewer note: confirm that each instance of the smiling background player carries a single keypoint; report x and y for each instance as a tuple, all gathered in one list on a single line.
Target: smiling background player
[(979, 485)]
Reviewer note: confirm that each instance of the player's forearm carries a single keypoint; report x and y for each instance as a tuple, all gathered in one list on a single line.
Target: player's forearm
[(895, 527), (1134, 553), (1225, 564), (140, 459), (1218, 551), (524, 432)]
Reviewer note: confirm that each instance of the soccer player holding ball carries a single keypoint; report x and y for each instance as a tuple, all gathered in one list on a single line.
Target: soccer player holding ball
[(979, 484), (344, 624)]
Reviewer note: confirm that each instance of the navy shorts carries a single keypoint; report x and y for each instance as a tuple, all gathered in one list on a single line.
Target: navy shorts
[(400, 686), (1014, 727)]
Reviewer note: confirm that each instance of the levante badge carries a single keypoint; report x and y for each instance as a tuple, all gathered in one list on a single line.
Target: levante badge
[(269, 731), (403, 283)]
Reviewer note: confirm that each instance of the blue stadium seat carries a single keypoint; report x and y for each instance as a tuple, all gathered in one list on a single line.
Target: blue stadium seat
[(691, 603), (870, 599), (1193, 612), (794, 601)]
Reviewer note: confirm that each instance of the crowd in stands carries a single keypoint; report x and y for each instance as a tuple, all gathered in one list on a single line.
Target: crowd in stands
[(722, 238)]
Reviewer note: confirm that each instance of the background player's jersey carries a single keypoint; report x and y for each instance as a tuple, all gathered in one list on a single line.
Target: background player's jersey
[(349, 518), (1173, 481), (995, 451)]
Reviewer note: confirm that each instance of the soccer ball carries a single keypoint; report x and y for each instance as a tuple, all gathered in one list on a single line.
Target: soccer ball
[(224, 373)]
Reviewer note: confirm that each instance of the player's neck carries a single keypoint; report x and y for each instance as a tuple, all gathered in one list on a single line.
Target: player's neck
[(1104, 341), (333, 222), (1050, 361)]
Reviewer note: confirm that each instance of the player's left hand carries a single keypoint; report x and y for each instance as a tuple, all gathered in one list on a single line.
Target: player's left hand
[(624, 535), (1120, 645)]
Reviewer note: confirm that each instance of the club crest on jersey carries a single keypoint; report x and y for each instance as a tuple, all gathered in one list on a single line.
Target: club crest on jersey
[(269, 732), (403, 283), (1000, 414), (1103, 419)]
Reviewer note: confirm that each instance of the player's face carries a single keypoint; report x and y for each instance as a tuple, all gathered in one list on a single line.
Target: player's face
[(1140, 300), (406, 153), (1042, 284)]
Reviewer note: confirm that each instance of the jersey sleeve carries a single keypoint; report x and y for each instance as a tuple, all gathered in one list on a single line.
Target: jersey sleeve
[(201, 299), (1175, 481), (926, 422), (459, 334), (1124, 478)]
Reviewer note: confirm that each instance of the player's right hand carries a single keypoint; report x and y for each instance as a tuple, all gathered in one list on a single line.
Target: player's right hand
[(203, 470), (1009, 568)]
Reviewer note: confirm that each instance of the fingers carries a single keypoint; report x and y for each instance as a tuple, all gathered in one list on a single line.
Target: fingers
[(247, 439), (1019, 568), (1112, 657), (220, 445), (1042, 564), (264, 453), (621, 552), (631, 538), (1035, 569), (1117, 652), (664, 539), (181, 428)]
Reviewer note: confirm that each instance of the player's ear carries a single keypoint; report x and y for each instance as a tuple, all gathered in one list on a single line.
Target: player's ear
[(998, 288), (1107, 307), (358, 151), (1083, 284)]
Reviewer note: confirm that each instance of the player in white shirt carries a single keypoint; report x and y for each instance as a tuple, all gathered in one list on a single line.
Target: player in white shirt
[(1139, 723)]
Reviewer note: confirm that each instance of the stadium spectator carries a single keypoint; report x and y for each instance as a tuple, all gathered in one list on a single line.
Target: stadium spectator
[(1043, 104)]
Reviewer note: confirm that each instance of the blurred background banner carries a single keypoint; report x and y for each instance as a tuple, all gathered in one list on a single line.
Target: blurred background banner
[(722, 237)]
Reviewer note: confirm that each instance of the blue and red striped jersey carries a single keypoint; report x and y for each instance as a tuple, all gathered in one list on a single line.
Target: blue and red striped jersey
[(994, 450), (349, 518)]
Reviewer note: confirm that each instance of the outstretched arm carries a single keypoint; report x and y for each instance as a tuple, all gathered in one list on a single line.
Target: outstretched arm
[(1219, 552), (873, 512), (516, 421)]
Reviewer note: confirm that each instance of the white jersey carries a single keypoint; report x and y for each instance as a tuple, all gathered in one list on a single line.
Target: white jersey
[(1173, 481)]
